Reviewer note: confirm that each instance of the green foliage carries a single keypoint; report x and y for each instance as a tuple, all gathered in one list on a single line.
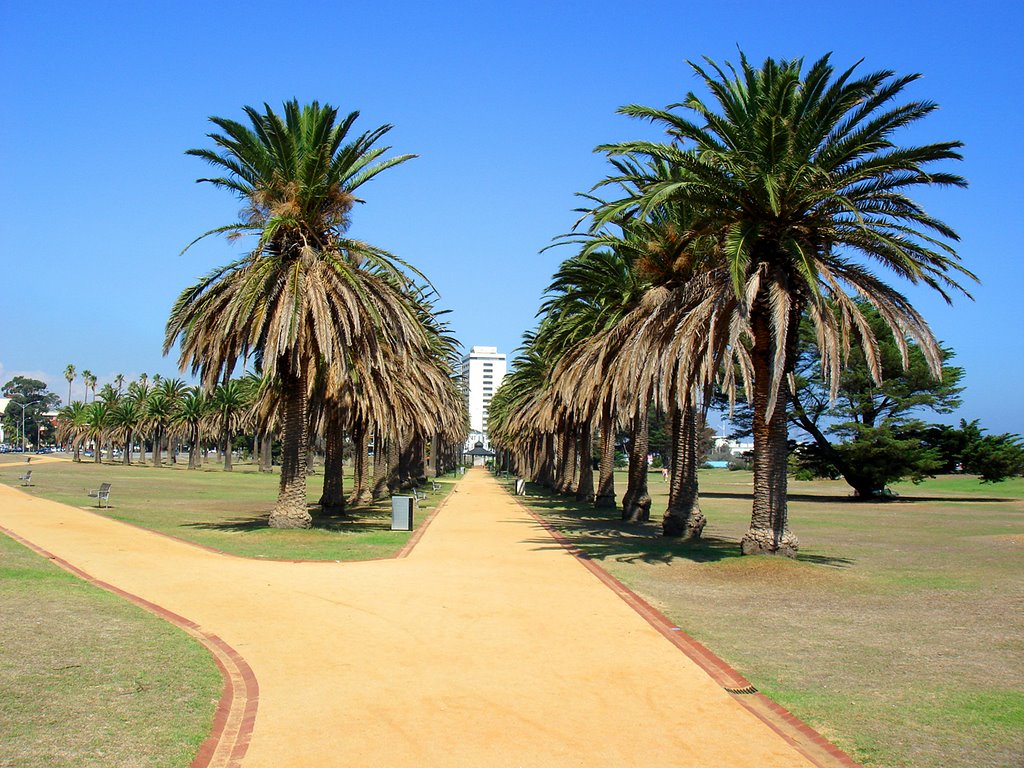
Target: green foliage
[(992, 457), (870, 434), (880, 456), (36, 399)]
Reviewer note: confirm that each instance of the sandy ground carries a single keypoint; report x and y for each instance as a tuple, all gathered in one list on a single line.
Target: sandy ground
[(489, 645)]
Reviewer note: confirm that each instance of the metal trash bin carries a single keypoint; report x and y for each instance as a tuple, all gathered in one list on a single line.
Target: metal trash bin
[(401, 513)]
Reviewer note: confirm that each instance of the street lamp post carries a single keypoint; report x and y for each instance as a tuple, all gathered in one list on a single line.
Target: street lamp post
[(23, 406)]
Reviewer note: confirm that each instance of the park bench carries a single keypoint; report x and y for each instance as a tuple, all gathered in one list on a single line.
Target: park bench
[(435, 486), (26, 479), (101, 494)]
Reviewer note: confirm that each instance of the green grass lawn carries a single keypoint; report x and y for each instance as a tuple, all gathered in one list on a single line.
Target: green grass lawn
[(898, 632), (90, 680), (224, 510)]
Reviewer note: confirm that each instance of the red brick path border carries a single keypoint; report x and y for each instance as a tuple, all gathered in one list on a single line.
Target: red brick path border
[(802, 737)]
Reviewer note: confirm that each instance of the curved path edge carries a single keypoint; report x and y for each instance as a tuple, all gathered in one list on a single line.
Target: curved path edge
[(235, 716), (802, 737)]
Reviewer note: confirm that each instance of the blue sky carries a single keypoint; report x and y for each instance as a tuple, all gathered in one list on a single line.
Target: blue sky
[(503, 102)]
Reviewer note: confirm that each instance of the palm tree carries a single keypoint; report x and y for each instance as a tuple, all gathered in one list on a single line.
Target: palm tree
[(72, 426), (95, 427), (796, 175), (69, 374), (172, 390), (159, 410), (108, 394), (229, 403), (306, 296), (140, 391), (119, 381), (125, 420), (87, 381), (189, 417)]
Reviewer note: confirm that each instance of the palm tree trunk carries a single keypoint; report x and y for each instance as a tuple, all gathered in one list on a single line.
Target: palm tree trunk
[(566, 461), (606, 466), (266, 452), (228, 439), (380, 466), (405, 474), (157, 447), (769, 525), (392, 458), (636, 502), (585, 487), (547, 461), (436, 460), (126, 457), (291, 509), (361, 464), (417, 465), (332, 500), (193, 448), (683, 518)]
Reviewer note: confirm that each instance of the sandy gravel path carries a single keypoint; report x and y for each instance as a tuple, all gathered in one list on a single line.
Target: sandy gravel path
[(490, 645)]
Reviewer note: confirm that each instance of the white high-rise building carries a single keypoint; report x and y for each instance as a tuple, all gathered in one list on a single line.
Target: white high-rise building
[(482, 371)]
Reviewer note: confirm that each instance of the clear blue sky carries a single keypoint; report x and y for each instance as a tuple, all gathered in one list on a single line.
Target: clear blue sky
[(503, 102)]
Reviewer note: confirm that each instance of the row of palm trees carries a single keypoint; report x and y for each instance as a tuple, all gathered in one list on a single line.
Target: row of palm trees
[(768, 204), (345, 337), (164, 412)]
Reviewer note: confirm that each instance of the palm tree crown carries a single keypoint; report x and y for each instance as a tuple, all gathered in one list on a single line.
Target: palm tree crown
[(798, 180)]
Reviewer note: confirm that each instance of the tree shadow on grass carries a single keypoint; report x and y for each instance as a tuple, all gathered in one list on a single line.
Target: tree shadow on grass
[(600, 535), (355, 519)]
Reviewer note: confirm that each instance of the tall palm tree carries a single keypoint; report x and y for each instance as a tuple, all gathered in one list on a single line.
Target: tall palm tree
[(87, 381), (69, 374), (798, 177), (119, 382), (306, 295)]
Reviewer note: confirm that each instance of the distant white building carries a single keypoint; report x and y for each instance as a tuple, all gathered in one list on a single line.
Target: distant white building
[(482, 371), (735, 447)]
